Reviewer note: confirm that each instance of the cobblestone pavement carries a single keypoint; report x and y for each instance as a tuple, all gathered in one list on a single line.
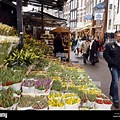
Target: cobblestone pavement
[(99, 73)]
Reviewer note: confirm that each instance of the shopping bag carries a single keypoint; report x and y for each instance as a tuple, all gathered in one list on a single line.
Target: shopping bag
[(96, 59)]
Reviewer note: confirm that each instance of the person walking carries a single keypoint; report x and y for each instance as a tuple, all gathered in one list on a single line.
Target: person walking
[(72, 43), (93, 51), (78, 47), (111, 54), (85, 46)]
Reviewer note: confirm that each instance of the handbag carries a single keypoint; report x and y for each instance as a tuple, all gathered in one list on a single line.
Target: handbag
[(96, 59)]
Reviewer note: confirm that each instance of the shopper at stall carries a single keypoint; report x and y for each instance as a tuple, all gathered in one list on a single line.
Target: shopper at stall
[(58, 46), (111, 54)]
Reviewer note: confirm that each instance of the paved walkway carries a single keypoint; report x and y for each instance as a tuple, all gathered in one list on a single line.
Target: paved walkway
[(99, 73)]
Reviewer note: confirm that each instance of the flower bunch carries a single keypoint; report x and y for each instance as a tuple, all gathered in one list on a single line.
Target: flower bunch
[(28, 83), (54, 95), (72, 100), (56, 102), (7, 99), (43, 84)]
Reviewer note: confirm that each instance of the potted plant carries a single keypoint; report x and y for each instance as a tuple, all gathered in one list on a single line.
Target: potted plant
[(107, 104), (9, 101), (72, 103), (28, 86), (25, 102), (56, 104), (40, 103), (11, 78), (43, 85), (99, 104)]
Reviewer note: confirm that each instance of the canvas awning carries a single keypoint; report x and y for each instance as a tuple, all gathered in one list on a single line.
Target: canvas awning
[(60, 29), (51, 4), (117, 19), (34, 19)]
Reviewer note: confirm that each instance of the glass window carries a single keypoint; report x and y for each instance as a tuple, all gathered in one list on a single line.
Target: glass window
[(81, 2), (109, 26)]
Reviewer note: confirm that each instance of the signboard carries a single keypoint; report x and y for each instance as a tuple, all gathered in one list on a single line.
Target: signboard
[(47, 32), (88, 17), (100, 5), (98, 16), (117, 19)]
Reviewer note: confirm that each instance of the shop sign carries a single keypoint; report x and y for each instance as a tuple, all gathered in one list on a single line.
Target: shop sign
[(47, 32), (98, 16), (100, 5), (88, 17), (117, 19)]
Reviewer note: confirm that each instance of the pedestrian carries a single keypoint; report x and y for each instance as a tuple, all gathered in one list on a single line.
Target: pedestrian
[(72, 43), (78, 47), (58, 45), (85, 47), (111, 54), (100, 48), (93, 51)]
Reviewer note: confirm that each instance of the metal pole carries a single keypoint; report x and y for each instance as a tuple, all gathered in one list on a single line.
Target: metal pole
[(117, 12), (20, 24), (118, 6), (42, 20), (104, 20)]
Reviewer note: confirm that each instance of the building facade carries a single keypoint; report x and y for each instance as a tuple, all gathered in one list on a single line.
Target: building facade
[(94, 16), (113, 10)]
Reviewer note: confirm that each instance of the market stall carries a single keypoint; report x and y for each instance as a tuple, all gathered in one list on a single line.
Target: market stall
[(41, 82), (66, 34)]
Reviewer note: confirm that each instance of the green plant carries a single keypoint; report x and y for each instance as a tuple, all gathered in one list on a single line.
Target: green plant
[(4, 47), (91, 97), (23, 57), (9, 76), (7, 98), (56, 85), (7, 30)]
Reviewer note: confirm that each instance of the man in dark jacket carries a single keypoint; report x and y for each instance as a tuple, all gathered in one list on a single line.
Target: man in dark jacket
[(112, 56)]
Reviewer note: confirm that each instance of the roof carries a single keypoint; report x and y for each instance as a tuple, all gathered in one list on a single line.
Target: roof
[(35, 18), (53, 4)]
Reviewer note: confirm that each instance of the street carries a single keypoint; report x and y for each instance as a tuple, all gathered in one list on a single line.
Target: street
[(99, 73)]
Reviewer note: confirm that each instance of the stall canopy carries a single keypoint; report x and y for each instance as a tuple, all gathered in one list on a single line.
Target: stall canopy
[(51, 4), (60, 29), (34, 18), (117, 19)]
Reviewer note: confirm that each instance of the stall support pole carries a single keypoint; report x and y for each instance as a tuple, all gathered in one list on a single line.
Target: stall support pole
[(20, 24)]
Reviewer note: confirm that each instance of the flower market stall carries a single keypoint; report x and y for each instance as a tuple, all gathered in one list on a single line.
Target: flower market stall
[(41, 82), (66, 35), (58, 86)]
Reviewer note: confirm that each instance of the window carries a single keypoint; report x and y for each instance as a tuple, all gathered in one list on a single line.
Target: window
[(109, 26), (81, 2)]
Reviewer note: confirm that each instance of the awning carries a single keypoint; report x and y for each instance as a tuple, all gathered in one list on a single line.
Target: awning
[(34, 19), (51, 4), (60, 29), (97, 26), (86, 28), (117, 19)]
